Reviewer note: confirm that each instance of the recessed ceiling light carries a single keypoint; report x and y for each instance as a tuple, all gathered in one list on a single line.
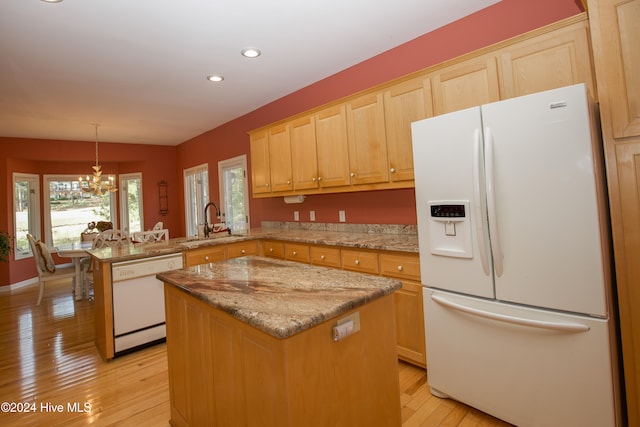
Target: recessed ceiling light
[(215, 78), (52, 1), (251, 52)]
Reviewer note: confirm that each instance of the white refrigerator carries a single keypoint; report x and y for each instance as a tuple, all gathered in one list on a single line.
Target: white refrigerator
[(515, 260)]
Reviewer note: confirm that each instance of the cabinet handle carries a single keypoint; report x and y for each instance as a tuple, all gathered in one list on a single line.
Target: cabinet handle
[(322, 257), (392, 170), (319, 178), (242, 251), (288, 182), (400, 268), (270, 249), (357, 262), (266, 185), (314, 180), (352, 174), (295, 253), (206, 257)]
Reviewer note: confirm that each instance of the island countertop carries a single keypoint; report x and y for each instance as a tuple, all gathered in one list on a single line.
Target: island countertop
[(281, 298)]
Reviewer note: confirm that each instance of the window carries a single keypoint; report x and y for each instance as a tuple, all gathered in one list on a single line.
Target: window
[(196, 196), (234, 193), (26, 207), (131, 212), (68, 210)]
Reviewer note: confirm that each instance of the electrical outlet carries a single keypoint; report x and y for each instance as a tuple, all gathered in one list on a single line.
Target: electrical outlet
[(296, 216), (342, 216), (312, 215)]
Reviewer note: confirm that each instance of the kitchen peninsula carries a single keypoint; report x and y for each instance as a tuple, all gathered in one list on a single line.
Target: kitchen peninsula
[(261, 341)]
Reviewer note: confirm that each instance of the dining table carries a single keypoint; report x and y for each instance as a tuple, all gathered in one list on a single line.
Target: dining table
[(76, 251)]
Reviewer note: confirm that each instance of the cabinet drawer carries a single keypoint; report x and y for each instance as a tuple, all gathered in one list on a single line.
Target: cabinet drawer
[(235, 250), (273, 248), (400, 265), (325, 256), (362, 261), (296, 252), (203, 255)]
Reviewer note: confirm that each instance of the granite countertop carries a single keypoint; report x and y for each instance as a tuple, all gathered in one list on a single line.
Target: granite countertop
[(281, 298), (370, 237)]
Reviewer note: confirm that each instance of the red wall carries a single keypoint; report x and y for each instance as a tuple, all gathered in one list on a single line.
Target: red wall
[(76, 158), (501, 21)]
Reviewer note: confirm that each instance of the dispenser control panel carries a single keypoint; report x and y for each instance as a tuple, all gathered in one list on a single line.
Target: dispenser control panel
[(450, 228)]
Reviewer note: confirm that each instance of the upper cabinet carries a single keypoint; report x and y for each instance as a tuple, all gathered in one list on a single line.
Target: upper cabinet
[(546, 62), (260, 170), (466, 84), (367, 140), (363, 142), (404, 103)]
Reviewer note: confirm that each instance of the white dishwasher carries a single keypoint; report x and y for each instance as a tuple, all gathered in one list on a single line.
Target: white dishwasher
[(138, 301)]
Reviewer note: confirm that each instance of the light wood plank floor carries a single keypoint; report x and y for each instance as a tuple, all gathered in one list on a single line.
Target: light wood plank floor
[(48, 359)]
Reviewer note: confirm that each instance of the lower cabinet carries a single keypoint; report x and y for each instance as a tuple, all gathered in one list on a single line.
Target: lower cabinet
[(203, 255)]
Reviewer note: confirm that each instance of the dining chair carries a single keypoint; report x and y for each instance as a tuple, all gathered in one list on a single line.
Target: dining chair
[(108, 238), (46, 267)]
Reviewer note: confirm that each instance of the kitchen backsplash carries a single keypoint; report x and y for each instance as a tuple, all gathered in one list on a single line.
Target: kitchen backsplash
[(347, 228)]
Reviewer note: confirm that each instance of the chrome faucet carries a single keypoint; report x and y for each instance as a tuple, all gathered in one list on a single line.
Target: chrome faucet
[(206, 226)]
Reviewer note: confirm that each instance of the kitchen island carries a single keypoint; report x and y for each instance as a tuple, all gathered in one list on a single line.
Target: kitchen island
[(260, 341)]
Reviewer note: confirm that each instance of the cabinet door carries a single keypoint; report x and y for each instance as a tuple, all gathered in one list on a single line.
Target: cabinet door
[(468, 84), (331, 146), (280, 158), (404, 103), (409, 314), (556, 59), (616, 36), (296, 252), (304, 162), (235, 250), (367, 140), (273, 249), (203, 255), (259, 150)]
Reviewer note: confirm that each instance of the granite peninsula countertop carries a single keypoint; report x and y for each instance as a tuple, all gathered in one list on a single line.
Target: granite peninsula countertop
[(377, 237), (281, 298)]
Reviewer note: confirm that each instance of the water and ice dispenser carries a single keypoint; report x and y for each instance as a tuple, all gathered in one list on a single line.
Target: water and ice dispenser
[(450, 228)]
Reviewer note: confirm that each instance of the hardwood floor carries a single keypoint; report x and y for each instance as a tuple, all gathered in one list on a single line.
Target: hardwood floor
[(51, 373)]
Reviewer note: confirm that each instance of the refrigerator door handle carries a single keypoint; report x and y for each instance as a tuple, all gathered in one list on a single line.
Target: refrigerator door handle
[(554, 326), (496, 250), (477, 202)]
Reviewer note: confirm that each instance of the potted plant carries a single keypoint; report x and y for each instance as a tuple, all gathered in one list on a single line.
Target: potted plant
[(5, 246)]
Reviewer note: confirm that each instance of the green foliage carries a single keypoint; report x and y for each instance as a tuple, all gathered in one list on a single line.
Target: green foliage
[(5, 246)]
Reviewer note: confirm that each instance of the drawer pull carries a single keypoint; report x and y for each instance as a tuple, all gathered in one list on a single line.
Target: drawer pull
[(400, 268), (357, 262), (270, 249), (295, 253), (206, 257), (322, 257), (392, 170), (242, 251)]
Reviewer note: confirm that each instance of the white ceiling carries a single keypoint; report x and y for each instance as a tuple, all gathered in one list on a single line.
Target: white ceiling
[(139, 67)]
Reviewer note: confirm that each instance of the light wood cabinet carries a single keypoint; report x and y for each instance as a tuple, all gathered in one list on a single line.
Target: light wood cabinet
[(296, 252), (238, 249), (409, 307), (273, 248), (225, 372), (332, 148), (615, 36), (203, 255), (359, 260), (260, 170), (466, 84), (304, 158), (280, 158), (404, 103), (367, 140), (325, 256), (549, 61)]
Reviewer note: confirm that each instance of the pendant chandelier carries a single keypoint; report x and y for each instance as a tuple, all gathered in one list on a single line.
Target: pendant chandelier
[(95, 184)]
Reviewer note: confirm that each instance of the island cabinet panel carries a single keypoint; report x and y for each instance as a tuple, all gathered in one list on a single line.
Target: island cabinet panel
[(260, 169), (273, 248), (203, 255), (103, 297), (225, 372), (304, 158), (557, 59), (367, 140), (332, 148), (404, 103), (325, 255)]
